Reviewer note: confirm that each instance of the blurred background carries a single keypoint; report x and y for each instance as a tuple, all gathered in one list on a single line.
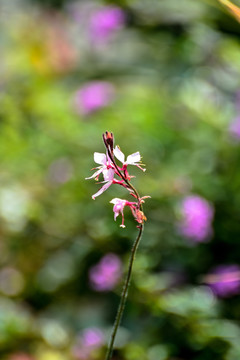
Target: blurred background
[(163, 76)]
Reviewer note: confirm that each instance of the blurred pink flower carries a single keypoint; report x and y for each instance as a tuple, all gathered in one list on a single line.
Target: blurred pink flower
[(21, 356), (105, 22), (94, 96), (234, 128), (197, 215), (106, 274), (90, 340), (92, 337), (224, 280)]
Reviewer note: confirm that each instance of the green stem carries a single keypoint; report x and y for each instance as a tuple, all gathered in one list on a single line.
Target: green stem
[(124, 294)]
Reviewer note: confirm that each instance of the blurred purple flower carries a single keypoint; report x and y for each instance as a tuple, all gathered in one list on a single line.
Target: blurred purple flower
[(93, 96), (92, 337), (104, 22), (224, 280), (60, 171), (106, 274), (90, 340), (197, 215), (234, 128)]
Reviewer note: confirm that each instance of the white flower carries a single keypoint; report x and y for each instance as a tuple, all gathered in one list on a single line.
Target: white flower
[(106, 168), (132, 159)]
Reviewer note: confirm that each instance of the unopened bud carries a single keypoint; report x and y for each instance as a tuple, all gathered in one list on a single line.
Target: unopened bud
[(108, 140)]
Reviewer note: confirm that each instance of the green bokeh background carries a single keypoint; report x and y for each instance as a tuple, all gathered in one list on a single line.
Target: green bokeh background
[(176, 69)]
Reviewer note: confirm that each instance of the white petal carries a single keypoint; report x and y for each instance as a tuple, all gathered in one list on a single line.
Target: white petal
[(103, 188), (94, 175), (114, 201), (100, 158), (119, 154), (108, 174), (133, 158)]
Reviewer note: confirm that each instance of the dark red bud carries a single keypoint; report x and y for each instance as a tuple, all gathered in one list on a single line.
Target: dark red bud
[(108, 140)]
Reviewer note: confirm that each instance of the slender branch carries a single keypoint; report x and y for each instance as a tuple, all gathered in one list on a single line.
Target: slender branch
[(124, 294)]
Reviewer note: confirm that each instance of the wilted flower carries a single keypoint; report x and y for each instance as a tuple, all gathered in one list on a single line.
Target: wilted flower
[(106, 274), (224, 280), (234, 128), (94, 96), (104, 22), (197, 215), (90, 340)]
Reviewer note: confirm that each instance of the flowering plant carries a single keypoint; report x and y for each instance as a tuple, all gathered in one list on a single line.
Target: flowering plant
[(109, 169), (115, 174)]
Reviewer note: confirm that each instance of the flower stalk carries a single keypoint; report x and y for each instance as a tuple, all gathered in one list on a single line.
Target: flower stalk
[(109, 168), (124, 295)]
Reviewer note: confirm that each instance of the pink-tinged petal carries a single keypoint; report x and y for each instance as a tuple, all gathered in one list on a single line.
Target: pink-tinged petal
[(116, 213), (133, 158), (103, 188), (100, 158), (114, 201), (119, 154), (118, 207), (94, 175), (108, 174)]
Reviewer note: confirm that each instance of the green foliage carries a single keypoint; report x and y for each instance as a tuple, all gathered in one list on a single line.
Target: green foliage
[(175, 69)]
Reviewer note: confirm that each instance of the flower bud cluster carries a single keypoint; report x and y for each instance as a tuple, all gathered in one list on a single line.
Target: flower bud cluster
[(114, 174)]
